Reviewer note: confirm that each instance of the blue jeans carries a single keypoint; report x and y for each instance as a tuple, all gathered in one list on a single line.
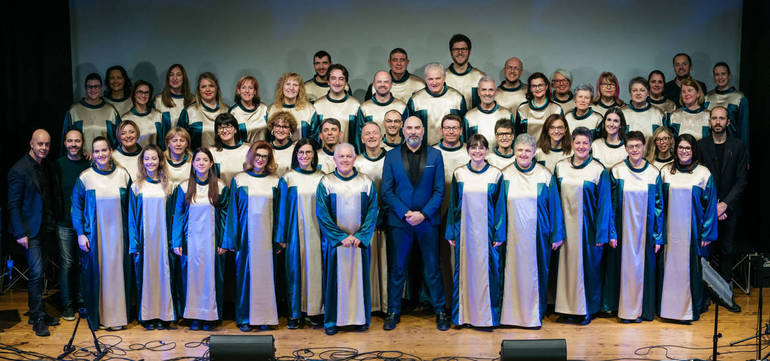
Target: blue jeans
[(70, 271), (35, 260)]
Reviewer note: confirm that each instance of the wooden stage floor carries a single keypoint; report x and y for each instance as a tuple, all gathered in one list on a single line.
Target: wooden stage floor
[(603, 339)]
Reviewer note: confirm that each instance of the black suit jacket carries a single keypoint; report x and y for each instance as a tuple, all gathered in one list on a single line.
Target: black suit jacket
[(731, 179), (25, 202)]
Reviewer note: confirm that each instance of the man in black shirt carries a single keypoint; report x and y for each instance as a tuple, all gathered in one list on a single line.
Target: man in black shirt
[(682, 67)]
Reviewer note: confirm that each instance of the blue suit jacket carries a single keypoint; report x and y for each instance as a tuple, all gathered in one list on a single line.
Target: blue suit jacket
[(399, 194), (25, 199)]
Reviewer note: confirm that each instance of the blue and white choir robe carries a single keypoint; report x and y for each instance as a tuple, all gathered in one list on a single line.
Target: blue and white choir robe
[(346, 206), (150, 216), (637, 202), (476, 220), (169, 115), (198, 120), (254, 229), (199, 229), (690, 208), (586, 201), (304, 256), (100, 212), (693, 122), (534, 223), (378, 256)]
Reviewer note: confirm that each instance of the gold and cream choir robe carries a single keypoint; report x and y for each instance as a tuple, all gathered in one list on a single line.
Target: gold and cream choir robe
[(178, 172), (346, 206), (601, 108), (169, 114), (591, 120), (151, 128), (534, 223), (388, 146), (693, 122), (431, 108), (660, 162), (198, 120), (511, 98), (374, 111), (406, 86), (304, 117), (326, 160), (499, 160), (665, 105), (645, 119), (347, 110), (316, 90), (567, 105), (122, 106), (128, 160), (550, 159), (252, 123), (467, 83), (480, 121), (530, 118), (229, 160), (608, 154), (453, 157), (282, 155), (92, 121)]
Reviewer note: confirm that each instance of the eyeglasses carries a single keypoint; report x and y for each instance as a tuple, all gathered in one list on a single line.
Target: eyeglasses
[(559, 81), (93, 86), (142, 92), (684, 148), (537, 86), (607, 85), (634, 146), (459, 49), (305, 152), (226, 127), (663, 139), (556, 127), (452, 129), (261, 156), (504, 135), (281, 126)]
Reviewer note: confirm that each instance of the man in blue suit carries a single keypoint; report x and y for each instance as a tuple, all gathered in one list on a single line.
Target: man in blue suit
[(33, 200), (413, 188)]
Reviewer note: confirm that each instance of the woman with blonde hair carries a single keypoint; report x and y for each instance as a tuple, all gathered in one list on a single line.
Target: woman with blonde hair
[(693, 117), (178, 155), (198, 118), (660, 149), (127, 152), (290, 97), (249, 111)]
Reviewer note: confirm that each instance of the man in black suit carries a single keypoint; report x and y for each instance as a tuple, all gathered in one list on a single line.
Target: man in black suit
[(725, 157), (33, 200)]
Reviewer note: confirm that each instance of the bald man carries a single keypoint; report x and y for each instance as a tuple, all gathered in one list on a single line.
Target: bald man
[(381, 102), (33, 202), (512, 91)]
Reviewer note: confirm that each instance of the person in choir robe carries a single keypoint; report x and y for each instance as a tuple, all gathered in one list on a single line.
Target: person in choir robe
[(150, 216), (481, 119), (118, 92), (561, 81), (92, 115), (693, 117), (290, 97), (476, 228), (535, 228), (404, 82), (583, 115), (460, 75), (555, 143), (304, 255), (682, 67), (338, 104), (637, 202), (370, 162), (197, 235), (608, 93), (127, 152), (437, 99), (502, 155), (640, 114), (690, 210), (608, 149), (586, 201), (657, 81), (318, 86), (178, 155), (281, 126), (531, 115), (255, 229), (229, 150), (148, 120), (736, 103), (660, 150), (380, 103), (198, 118), (512, 92), (99, 217), (174, 97), (249, 111), (346, 206), (392, 123), (330, 137)]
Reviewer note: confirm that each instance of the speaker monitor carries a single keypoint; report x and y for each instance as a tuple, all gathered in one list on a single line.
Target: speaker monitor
[(534, 350), (242, 347)]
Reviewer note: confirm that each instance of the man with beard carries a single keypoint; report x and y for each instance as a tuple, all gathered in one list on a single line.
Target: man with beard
[(317, 86), (382, 102), (682, 67), (330, 137), (460, 74), (434, 101), (392, 123), (404, 83), (481, 119), (512, 91)]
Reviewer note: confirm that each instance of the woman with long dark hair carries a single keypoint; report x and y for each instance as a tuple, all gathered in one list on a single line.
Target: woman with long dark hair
[(118, 91), (229, 149), (175, 96), (555, 142)]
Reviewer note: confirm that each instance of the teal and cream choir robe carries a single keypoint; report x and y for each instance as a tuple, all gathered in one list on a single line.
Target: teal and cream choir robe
[(690, 209), (316, 90), (378, 255), (100, 212), (304, 117), (408, 85), (326, 161), (608, 154), (499, 160), (737, 109), (467, 83), (304, 257), (601, 108), (530, 118), (480, 121), (511, 98), (347, 110), (645, 119), (693, 122), (178, 172), (430, 108), (637, 202), (591, 120), (665, 105), (550, 159), (374, 111), (255, 226), (122, 106), (151, 129), (92, 121), (229, 161), (198, 120), (346, 206), (567, 105), (586, 201), (660, 162), (476, 220), (252, 123), (169, 115), (387, 145), (282, 155), (198, 229), (150, 216), (128, 160), (534, 223)]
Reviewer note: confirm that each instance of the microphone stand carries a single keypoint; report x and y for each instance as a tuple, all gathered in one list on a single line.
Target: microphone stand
[(69, 348)]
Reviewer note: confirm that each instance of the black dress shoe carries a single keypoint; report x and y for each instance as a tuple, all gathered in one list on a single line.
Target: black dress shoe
[(195, 325), (391, 321), (161, 325), (49, 320), (293, 324), (244, 327), (361, 328), (442, 321), (208, 325), (149, 325), (40, 327), (586, 320), (734, 308), (331, 330)]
